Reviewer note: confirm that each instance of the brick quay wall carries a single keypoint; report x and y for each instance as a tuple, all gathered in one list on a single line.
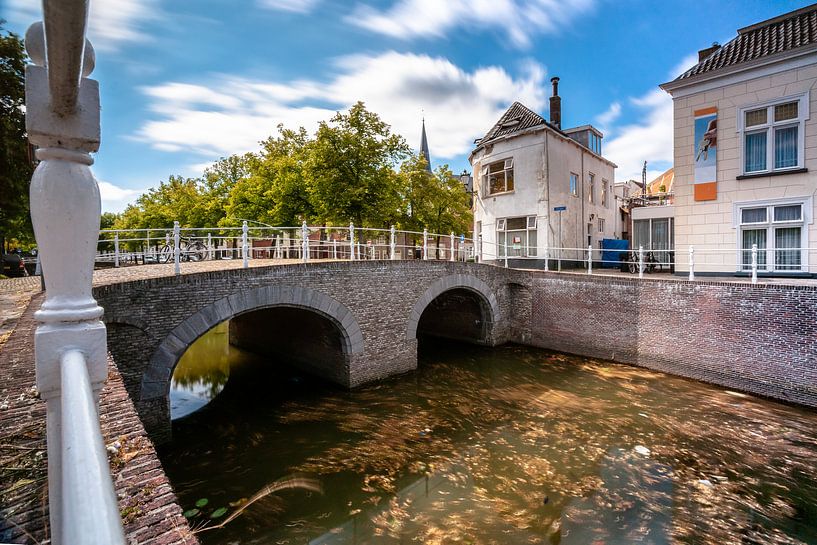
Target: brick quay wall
[(758, 338)]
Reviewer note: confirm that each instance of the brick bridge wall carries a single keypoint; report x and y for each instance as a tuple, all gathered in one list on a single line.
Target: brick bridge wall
[(376, 306), (760, 339)]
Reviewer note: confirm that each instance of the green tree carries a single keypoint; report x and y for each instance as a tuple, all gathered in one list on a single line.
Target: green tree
[(15, 165), (350, 169), (178, 199), (436, 202), (219, 182), (275, 189)]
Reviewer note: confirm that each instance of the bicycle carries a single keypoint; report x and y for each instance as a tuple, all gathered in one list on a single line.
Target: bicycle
[(189, 250), (650, 262)]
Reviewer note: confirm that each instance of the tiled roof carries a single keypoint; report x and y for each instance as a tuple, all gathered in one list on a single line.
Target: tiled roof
[(666, 179), (516, 118), (783, 33)]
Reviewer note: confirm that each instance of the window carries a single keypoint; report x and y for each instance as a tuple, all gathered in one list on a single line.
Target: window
[(498, 177), (655, 235), (604, 184), (574, 184), (516, 236), (626, 192), (772, 135), (591, 188), (778, 232), (601, 225)]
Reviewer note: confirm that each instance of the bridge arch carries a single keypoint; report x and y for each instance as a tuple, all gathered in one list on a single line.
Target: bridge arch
[(157, 377), (485, 296)]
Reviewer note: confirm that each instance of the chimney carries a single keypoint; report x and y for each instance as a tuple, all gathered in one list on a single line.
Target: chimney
[(555, 104), (704, 53)]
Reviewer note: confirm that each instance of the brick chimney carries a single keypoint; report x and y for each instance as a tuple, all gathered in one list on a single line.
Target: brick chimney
[(704, 53), (555, 104)]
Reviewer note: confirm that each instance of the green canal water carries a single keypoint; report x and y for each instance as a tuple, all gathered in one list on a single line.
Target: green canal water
[(484, 446)]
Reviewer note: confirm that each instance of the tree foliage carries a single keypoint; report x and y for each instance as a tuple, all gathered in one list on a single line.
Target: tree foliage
[(345, 172), (15, 165)]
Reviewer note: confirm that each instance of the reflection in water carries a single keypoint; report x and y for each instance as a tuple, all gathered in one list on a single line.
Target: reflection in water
[(202, 371), (505, 445)]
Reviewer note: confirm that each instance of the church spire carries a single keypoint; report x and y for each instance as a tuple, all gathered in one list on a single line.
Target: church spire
[(424, 147)]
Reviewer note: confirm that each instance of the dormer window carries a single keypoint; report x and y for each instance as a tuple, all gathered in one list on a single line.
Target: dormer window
[(511, 122)]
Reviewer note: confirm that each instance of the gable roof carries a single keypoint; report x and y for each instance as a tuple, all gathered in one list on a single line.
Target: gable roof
[(777, 35), (516, 118)]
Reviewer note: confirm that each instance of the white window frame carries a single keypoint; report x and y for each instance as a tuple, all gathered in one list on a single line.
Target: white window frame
[(507, 165), (530, 226), (601, 225), (769, 127), (591, 186), (770, 225), (604, 193), (573, 184)]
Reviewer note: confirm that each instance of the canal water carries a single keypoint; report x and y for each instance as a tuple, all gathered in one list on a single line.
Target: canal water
[(484, 446)]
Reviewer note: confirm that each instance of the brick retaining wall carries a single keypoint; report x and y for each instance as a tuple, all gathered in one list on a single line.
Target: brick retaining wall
[(756, 338)]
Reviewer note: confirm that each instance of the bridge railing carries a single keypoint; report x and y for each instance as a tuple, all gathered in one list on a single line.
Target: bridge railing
[(120, 247)]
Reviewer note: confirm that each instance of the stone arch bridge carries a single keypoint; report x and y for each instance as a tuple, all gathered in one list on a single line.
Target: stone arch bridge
[(348, 322)]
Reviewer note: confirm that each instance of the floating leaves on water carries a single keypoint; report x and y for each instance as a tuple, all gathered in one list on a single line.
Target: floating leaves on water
[(218, 513), (190, 513), (202, 502)]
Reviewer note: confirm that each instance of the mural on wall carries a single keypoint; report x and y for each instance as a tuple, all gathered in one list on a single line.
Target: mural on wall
[(706, 154)]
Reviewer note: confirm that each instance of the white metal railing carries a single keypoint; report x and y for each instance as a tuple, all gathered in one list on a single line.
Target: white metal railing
[(62, 122), (145, 246), (306, 243), (751, 262)]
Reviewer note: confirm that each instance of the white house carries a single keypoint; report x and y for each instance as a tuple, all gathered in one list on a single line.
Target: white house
[(746, 151), (539, 188)]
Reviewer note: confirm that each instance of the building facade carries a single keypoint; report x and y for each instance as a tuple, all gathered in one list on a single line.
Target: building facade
[(746, 151), (540, 190)]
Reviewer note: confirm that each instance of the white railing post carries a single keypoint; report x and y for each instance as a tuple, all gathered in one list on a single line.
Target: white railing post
[(334, 248), (641, 261), (244, 246), (691, 263), (425, 244), (393, 244), (62, 122), (479, 254), (351, 241), (116, 250), (754, 263), (547, 257), (210, 246), (590, 259), (304, 242), (452, 257), (176, 248)]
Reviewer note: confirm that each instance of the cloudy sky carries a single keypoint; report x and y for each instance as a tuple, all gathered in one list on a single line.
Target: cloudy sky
[(185, 82)]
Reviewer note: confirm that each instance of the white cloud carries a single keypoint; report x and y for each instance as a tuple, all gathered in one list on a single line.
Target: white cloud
[(110, 22), (649, 140), (230, 114), (519, 19), (115, 198), (294, 6), (606, 119)]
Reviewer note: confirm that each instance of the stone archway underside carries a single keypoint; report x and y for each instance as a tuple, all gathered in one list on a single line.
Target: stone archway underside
[(156, 380)]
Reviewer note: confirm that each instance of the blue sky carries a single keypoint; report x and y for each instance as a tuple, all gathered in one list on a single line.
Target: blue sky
[(185, 82)]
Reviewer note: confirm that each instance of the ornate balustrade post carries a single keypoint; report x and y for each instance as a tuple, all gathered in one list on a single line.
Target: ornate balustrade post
[(393, 244), (116, 250), (425, 244), (452, 257), (589, 259), (641, 261), (62, 120), (209, 246), (754, 263)]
